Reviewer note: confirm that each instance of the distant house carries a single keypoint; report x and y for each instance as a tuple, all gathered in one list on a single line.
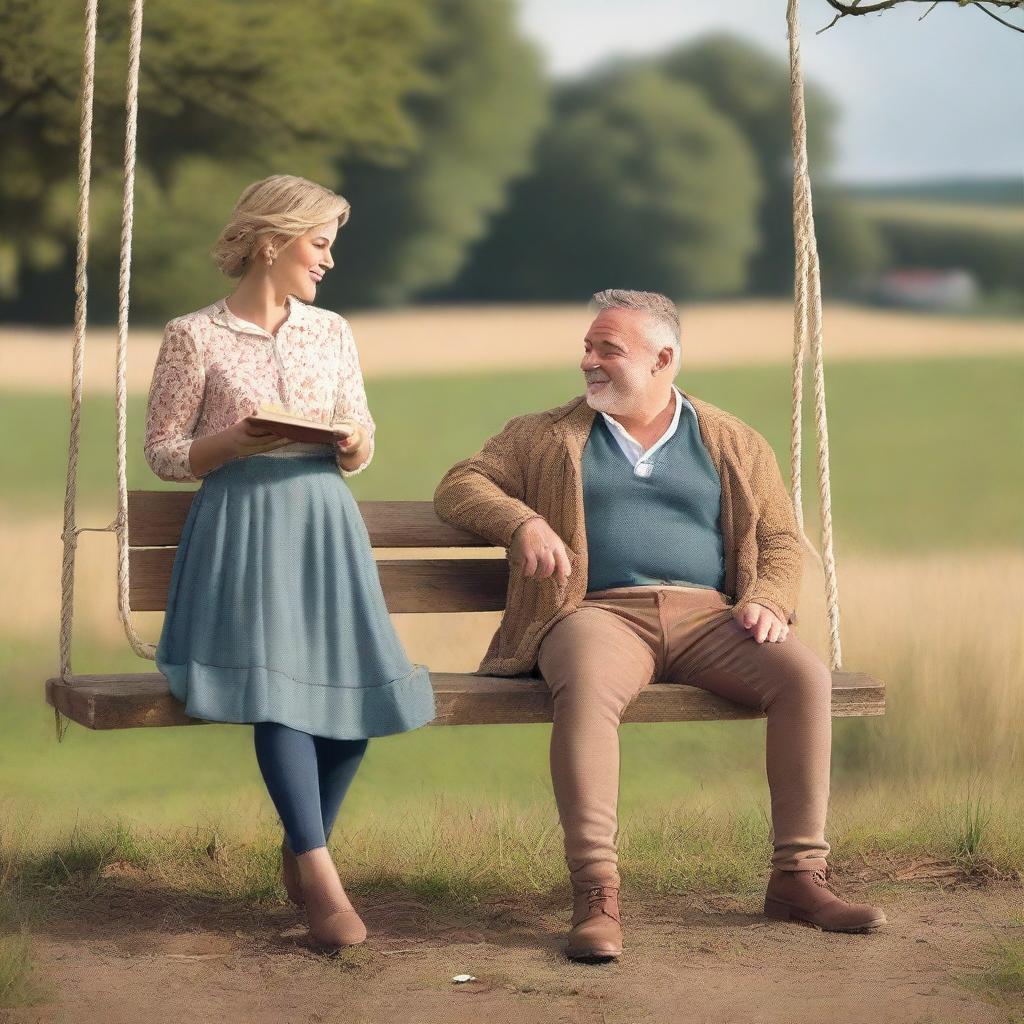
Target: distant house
[(927, 289)]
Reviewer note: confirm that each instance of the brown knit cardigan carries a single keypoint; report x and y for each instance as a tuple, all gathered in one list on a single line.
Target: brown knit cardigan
[(533, 467)]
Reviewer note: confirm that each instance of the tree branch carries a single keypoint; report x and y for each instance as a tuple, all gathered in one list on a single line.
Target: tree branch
[(855, 8), (995, 17)]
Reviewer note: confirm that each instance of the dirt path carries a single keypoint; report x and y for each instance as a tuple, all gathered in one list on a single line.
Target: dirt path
[(467, 338), (141, 954)]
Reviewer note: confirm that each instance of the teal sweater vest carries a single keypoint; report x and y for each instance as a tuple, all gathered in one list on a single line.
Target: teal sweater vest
[(660, 529)]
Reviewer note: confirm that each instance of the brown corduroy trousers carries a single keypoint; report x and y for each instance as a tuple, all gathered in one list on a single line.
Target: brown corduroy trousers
[(599, 657)]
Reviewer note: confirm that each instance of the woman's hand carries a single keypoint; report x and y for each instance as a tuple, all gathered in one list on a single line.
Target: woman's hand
[(208, 453), (243, 438), (350, 435)]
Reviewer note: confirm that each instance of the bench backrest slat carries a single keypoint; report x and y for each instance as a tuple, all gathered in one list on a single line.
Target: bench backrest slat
[(155, 519), (409, 585)]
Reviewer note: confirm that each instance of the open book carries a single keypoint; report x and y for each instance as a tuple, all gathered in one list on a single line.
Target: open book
[(297, 428)]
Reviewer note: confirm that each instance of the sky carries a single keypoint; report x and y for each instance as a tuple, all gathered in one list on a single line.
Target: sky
[(938, 98)]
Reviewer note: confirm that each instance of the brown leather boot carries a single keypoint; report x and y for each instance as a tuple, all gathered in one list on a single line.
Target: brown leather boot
[(808, 896), (333, 922), (596, 926), (290, 875)]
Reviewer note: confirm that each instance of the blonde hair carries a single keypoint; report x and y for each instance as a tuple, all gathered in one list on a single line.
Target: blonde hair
[(663, 317), (280, 208)]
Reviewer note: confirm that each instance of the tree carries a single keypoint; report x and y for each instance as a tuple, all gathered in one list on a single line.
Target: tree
[(638, 183), (413, 222), (228, 92), (751, 88)]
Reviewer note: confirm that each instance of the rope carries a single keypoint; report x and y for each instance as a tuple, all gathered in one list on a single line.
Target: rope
[(71, 531), (807, 330), (140, 647)]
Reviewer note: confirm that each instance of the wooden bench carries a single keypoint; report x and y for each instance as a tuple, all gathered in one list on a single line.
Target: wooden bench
[(434, 584)]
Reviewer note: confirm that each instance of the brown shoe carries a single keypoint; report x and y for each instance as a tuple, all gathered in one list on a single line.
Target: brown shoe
[(596, 926), (809, 897), (332, 920), (290, 875), (336, 929)]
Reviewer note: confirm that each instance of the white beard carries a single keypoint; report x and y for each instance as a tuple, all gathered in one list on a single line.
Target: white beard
[(621, 398)]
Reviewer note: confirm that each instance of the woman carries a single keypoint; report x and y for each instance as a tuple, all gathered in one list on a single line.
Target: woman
[(275, 614)]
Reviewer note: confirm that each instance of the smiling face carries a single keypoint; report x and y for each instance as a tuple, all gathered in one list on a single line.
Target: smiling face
[(618, 361), (299, 268)]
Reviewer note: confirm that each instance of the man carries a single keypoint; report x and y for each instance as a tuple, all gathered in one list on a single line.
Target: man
[(651, 538)]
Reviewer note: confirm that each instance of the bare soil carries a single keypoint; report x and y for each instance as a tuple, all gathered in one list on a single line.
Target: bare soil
[(140, 953)]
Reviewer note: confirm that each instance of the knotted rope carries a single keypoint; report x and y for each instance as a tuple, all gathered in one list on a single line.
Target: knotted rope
[(807, 329)]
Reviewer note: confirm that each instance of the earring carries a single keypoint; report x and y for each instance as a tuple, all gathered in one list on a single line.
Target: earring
[(270, 257)]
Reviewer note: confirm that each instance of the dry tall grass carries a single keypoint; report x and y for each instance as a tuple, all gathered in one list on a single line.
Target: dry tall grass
[(946, 633), (467, 339)]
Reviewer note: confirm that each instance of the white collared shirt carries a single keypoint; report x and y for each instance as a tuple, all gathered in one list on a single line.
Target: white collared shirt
[(639, 459)]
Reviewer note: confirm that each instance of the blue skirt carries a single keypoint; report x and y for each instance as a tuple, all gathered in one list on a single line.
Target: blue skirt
[(275, 611)]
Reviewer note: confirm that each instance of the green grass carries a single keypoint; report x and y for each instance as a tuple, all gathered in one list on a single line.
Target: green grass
[(1001, 982), (1002, 192), (19, 982), (923, 457), (923, 451), (459, 851)]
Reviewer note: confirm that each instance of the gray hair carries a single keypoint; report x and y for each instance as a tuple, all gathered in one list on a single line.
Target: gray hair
[(662, 316)]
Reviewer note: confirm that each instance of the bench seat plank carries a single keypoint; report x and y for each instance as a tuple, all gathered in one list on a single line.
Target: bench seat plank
[(133, 701)]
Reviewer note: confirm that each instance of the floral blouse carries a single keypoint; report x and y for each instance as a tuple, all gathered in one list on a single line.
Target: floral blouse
[(214, 368)]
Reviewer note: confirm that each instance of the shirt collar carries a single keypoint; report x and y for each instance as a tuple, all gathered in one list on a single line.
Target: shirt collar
[(673, 426), (222, 315)]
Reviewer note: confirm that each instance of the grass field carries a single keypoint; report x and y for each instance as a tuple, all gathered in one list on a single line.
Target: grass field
[(1007, 219), (921, 450), (930, 581)]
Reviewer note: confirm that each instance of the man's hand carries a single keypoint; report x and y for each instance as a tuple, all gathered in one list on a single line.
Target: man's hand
[(537, 549), (761, 623)]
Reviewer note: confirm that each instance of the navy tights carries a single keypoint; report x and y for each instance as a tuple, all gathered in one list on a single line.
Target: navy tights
[(307, 778)]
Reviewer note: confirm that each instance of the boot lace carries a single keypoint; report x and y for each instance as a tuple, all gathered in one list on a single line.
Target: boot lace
[(597, 897), (822, 877)]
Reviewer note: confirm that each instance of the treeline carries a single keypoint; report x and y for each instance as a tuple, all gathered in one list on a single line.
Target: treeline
[(672, 173), (470, 176)]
